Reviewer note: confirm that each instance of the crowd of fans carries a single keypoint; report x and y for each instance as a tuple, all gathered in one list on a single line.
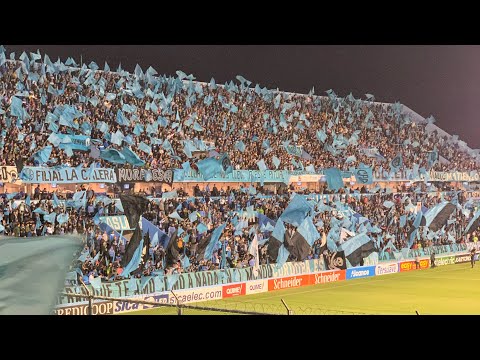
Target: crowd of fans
[(383, 227), (248, 123), (226, 116)]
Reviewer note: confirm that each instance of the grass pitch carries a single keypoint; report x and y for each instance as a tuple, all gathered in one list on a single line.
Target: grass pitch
[(451, 289)]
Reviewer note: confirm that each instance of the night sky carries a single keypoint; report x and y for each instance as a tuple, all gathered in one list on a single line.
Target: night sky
[(436, 80)]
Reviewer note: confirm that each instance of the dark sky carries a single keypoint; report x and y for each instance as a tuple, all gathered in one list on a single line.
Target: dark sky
[(436, 80)]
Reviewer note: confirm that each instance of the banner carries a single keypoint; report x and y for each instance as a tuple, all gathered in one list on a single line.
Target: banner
[(327, 277), (454, 176), (410, 265), (360, 272), (66, 175), (98, 308), (257, 287), (288, 282), (384, 269), (233, 290), (9, 174), (78, 142), (122, 288), (117, 223), (145, 175), (156, 284), (128, 306), (273, 176), (445, 260), (196, 295)]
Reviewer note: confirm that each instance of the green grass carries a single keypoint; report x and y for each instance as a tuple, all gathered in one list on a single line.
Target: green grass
[(451, 289)]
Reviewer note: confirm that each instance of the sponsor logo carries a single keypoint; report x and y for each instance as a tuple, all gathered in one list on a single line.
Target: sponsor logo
[(287, 282), (462, 258), (127, 306), (233, 290), (448, 260), (384, 269), (424, 263), (196, 295), (98, 308), (328, 276), (360, 272), (256, 287), (407, 266)]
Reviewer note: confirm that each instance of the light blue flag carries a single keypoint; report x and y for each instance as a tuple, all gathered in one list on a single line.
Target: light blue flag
[(84, 256), (170, 195), (396, 163), (121, 119), (185, 262), (197, 127), (96, 218), (192, 216), (113, 156), (201, 228), (43, 155), (134, 262), (154, 241), (103, 127), (119, 206), (418, 219), (332, 235), (172, 280), (210, 167), (334, 178), (96, 283), (308, 230), (117, 138), (175, 215), (50, 218), (364, 175), (282, 256), (56, 202), (62, 218), (138, 130), (27, 200), (296, 211), (321, 136), (388, 204), (40, 211), (16, 108), (131, 157), (276, 161), (240, 146), (403, 221), (261, 165), (145, 148), (11, 195), (213, 241)]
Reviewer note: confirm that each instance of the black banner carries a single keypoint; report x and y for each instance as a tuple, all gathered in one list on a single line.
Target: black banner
[(334, 260), (134, 206), (144, 175)]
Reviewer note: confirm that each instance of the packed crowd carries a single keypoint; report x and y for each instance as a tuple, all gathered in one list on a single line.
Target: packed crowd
[(159, 117), (105, 249), (169, 121)]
